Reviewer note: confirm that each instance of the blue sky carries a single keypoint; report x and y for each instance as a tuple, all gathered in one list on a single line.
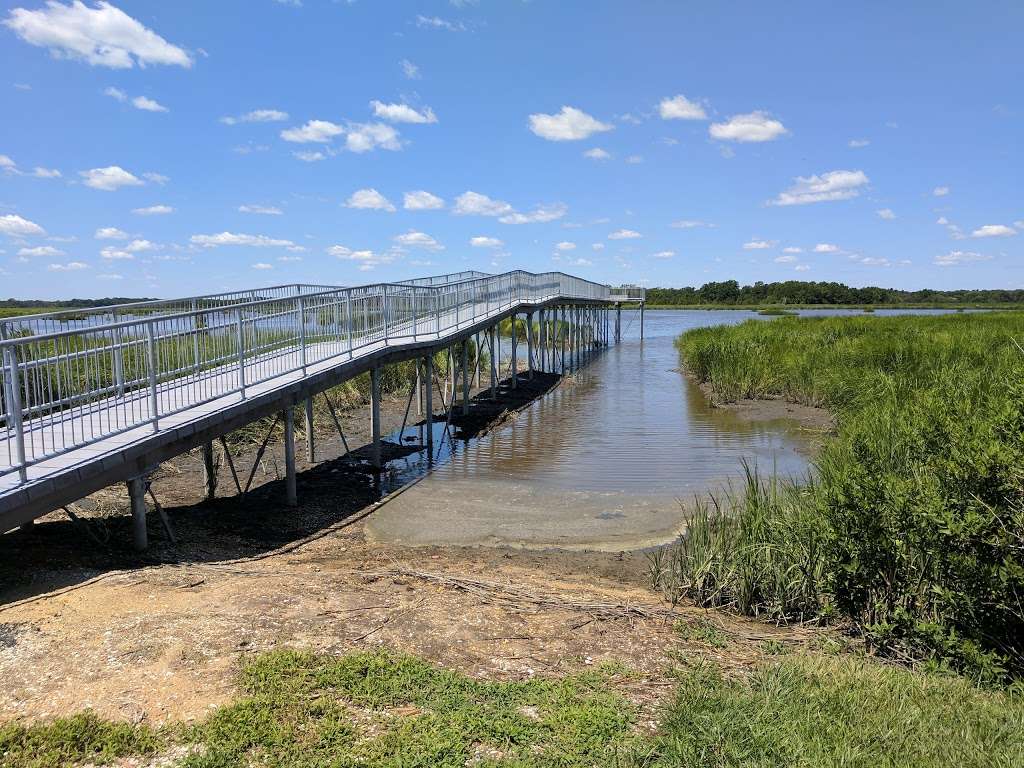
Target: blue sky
[(177, 148)]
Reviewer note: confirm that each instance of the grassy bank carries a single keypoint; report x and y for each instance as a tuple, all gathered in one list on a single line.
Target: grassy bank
[(384, 709), (914, 526)]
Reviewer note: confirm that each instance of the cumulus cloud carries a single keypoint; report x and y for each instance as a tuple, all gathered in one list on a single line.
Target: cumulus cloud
[(148, 105), (792, 249), (994, 230), (364, 137), (71, 266), (826, 248), (257, 116), (954, 258), (482, 241), (46, 173), (265, 210), (230, 238), (114, 253), (757, 245), (834, 185), (103, 35), (421, 200), (858, 143), (565, 245), (940, 191), (41, 250), (153, 210), (410, 70), (664, 254), (313, 132), (110, 233), (369, 200), (751, 127), (436, 22), (309, 157), (787, 259), (471, 203), (802, 267), (597, 154), (14, 225), (689, 224), (366, 259), (571, 124), (108, 179), (540, 214), (681, 108), (624, 234), (414, 239), (262, 265), (402, 113), (886, 213)]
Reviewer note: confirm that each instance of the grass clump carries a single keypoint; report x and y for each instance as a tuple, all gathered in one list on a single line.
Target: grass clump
[(914, 525), (82, 738)]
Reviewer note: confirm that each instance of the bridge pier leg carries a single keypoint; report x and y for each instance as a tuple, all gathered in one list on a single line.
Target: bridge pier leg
[(476, 360), (494, 364), (375, 415), (618, 323), (541, 349), (428, 365), (529, 345), (515, 356), (310, 445), (419, 389), (465, 377), (291, 493), (209, 471), (642, 320), (562, 334), (137, 494)]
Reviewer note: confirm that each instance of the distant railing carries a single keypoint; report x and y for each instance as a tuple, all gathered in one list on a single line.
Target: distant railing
[(66, 388), (627, 293)]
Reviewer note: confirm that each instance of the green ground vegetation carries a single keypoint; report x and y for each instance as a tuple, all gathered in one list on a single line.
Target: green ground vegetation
[(382, 709), (912, 527)]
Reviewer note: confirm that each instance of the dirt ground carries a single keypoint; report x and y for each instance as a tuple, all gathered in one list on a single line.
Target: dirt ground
[(87, 623)]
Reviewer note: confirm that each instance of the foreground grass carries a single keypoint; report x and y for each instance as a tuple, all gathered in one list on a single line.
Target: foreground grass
[(914, 525), (384, 709)]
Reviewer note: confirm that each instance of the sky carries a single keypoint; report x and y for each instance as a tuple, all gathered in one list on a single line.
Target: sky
[(171, 149)]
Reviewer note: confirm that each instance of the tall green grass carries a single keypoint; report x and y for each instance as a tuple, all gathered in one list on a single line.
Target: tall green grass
[(916, 514)]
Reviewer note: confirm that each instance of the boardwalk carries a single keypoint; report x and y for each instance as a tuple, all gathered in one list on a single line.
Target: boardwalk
[(93, 399)]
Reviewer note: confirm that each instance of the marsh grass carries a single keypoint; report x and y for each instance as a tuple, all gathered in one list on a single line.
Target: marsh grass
[(914, 525)]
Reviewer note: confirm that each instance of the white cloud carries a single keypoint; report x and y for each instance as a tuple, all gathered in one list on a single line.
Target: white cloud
[(940, 191), (474, 204), (680, 108), (421, 200), (994, 230), (137, 246), (875, 261), (787, 259), (597, 246), (115, 93), (363, 137), (153, 210), (41, 250), (635, 159), (953, 258), (230, 238), (110, 276), (485, 242), (257, 116), (289, 258), (110, 233), (624, 234), (540, 214), (265, 210), (414, 239), (436, 22), (565, 245), (156, 178), (886, 213), (310, 157), (834, 185), (314, 131), (262, 265), (757, 245), (751, 127), (802, 267), (366, 259), (826, 248), (148, 105), (369, 200), (597, 154), (858, 143), (664, 254), (689, 224), (402, 113), (14, 225), (581, 262), (102, 35), (46, 173), (410, 70), (113, 253), (792, 249), (110, 178), (7, 164), (1019, 224), (570, 124), (71, 266)]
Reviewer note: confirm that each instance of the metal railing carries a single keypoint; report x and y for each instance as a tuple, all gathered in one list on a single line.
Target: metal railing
[(68, 388), (628, 293)]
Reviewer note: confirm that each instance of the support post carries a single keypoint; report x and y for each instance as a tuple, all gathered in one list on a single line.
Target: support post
[(542, 348), (494, 366), (137, 494), (209, 471), (618, 322), (289, 458), (419, 390), (465, 377), (428, 364), (529, 345), (515, 358), (375, 415), (642, 320), (308, 413)]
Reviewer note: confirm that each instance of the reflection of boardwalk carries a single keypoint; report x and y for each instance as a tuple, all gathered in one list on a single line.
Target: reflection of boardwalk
[(107, 401)]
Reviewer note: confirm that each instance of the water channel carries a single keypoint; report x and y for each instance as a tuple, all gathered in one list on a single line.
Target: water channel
[(607, 461)]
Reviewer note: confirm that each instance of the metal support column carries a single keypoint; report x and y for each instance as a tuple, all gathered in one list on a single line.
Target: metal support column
[(289, 458), (618, 322), (642, 320), (428, 364), (308, 424), (515, 359), (529, 345), (465, 377), (209, 471), (137, 494), (542, 349), (494, 365), (375, 415)]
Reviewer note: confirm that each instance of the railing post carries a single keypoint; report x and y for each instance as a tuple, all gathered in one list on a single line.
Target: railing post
[(414, 319), (437, 310), (154, 403), (302, 335), (195, 334), (241, 353), (348, 319), (384, 309), (118, 362), (13, 397), (474, 300)]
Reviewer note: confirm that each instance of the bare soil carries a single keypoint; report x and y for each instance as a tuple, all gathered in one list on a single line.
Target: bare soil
[(87, 623)]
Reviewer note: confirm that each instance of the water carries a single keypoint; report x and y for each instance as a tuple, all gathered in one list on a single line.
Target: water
[(609, 461)]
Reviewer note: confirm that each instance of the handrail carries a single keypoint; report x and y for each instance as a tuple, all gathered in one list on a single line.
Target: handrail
[(64, 389)]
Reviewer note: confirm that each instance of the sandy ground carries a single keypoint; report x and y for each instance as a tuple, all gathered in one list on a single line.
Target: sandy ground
[(160, 637)]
